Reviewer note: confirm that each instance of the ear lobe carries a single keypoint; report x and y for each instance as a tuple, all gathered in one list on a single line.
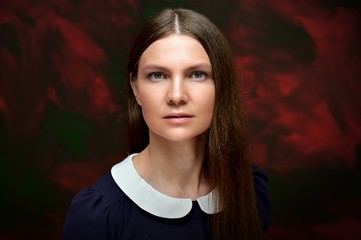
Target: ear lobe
[(133, 84)]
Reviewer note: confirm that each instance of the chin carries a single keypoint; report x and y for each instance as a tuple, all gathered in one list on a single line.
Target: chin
[(184, 137)]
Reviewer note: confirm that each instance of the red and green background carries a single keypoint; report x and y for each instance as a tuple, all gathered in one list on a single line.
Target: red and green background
[(63, 113)]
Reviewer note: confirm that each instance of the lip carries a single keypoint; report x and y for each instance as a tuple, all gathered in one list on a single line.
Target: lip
[(178, 118), (178, 115)]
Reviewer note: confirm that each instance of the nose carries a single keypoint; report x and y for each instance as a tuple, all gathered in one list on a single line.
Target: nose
[(177, 92)]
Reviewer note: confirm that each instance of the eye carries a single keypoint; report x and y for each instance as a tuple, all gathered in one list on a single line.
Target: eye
[(199, 75), (156, 75)]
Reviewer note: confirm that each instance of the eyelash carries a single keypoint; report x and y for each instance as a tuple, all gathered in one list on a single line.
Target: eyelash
[(162, 75), (152, 74), (204, 74)]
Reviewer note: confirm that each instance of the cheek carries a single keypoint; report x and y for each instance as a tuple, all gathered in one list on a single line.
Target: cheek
[(144, 96), (208, 103), (150, 103), (211, 93)]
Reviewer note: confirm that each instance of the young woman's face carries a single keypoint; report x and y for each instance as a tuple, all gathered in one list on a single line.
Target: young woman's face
[(175, 88)]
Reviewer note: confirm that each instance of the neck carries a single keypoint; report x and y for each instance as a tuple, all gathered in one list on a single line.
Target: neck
[(174, 168)]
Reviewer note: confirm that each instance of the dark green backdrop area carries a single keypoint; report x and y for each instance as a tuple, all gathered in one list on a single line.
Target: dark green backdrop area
[(62, 107)]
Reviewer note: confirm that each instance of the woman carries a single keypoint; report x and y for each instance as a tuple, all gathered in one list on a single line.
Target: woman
[(191, 178)]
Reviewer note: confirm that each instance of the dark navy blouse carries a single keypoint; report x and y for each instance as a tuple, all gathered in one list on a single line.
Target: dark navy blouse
[(105, 211)]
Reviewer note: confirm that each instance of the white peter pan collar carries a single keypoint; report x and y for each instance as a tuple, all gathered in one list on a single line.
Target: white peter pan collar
[(151, 200)]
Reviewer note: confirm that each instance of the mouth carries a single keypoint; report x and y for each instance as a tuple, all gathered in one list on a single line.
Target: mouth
[(178, 119), (178, 115)]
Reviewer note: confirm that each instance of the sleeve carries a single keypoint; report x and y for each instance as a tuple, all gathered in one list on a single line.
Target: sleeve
[(87, 217), (263, 196)]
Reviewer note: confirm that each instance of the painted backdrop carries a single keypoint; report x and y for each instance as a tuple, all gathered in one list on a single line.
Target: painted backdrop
[(62, 109)]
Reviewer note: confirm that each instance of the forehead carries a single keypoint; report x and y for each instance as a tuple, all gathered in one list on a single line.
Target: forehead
[(175, 48)]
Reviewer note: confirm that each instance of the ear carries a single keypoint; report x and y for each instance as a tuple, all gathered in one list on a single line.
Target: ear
[(133, 84)]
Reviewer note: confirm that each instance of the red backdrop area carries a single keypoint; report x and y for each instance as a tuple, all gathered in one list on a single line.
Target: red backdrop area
[(62, 107)]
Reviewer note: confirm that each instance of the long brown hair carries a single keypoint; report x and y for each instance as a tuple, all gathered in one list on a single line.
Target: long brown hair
[(226, 165)]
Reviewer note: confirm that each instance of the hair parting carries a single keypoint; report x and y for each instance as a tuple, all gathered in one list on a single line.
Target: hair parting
[(176, 24)]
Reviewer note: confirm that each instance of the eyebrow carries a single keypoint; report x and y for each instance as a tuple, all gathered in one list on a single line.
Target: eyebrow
[(190, 68)]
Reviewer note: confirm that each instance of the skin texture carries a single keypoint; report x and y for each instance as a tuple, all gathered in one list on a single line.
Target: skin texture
[(175, 88)]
